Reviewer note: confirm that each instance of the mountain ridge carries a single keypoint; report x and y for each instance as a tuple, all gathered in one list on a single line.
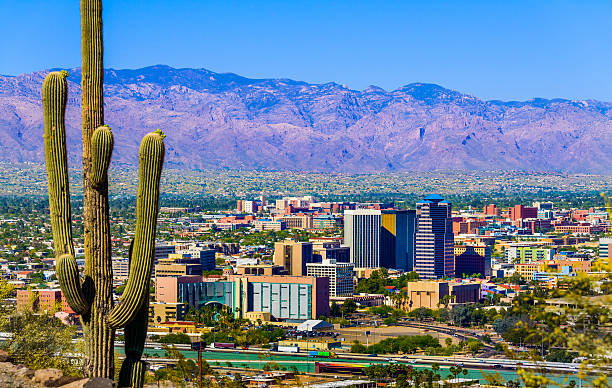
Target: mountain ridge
[(224, 120)]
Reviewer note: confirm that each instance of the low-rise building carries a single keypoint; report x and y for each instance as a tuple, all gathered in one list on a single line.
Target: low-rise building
[(178, 264), (161, 312), (48, 300), (284, 297), (261, 269), (330, 250), (434, 294), (472, 259), (267, 224)]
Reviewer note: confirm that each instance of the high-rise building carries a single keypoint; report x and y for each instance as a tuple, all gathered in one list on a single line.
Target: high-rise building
[(362, 236), (394, 239), (293, 256), (411, 224), (340, 276), (380, 238), (434, 256)]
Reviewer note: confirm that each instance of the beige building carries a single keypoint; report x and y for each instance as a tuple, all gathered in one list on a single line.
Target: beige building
[(167, 312), (178, 264), (297, 222), (261, 269), (293, 256), (166, 288), (431, 294)]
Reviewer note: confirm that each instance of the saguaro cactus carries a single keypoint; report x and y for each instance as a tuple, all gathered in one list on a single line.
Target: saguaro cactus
[(90, 294)]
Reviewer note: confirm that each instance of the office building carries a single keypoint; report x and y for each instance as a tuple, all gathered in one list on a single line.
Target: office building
[(605, 247), (340, 276), (330, 250), (121, 268), (260, 269), (472, 259), (202, 253), (43, 300), (527, 253), (162, 251), (431, 294), (249, 206), (167, 312), (411, 226), (167, 287), (283, 297), (434, 247), (380, 238), (491, 210), (293, 256), (519, 212), (297, 222), (267, 224), (178, 264), (393, 239), (326, 222), (362, 236)]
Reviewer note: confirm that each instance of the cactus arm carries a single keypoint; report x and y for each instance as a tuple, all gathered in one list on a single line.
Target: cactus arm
[(101, 151), (55, 95), (70, 282), (151, 160), (133, 368), (132, 374)]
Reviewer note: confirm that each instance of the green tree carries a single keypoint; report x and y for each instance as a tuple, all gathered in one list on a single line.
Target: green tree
[(41, 341)]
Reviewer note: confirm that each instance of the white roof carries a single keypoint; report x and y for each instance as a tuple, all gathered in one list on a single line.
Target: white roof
[(314, 324)]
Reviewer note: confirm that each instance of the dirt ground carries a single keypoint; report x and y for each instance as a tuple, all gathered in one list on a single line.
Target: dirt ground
[(377, 334)]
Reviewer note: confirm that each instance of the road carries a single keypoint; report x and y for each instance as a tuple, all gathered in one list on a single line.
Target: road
[(477, 367)]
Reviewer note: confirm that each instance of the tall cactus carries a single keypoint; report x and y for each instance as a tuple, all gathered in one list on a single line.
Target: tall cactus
[(91, 295)]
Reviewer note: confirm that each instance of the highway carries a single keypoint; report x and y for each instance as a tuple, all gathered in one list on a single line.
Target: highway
[(256, 358)]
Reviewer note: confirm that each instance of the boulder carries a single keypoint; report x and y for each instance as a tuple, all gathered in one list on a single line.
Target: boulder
[(48, 376), (4, 356), (62, 381), (96, 382), (24, 372)]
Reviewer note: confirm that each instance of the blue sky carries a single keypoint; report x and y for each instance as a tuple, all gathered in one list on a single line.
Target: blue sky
[(507, 50)]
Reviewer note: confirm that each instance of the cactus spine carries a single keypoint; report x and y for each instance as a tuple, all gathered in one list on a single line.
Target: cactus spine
[(91, 296)]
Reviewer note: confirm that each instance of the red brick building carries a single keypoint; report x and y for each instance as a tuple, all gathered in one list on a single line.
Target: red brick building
[(519, 212)]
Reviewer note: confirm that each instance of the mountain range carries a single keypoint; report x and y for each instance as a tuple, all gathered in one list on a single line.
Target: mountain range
[(222, 120)]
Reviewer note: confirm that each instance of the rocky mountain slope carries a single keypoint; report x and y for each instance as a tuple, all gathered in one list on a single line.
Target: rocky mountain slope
[(226, 121)]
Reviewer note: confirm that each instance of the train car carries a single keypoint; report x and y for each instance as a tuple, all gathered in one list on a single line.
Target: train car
[(321, 354), (288, 349), (338, 367), (224, 345)]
